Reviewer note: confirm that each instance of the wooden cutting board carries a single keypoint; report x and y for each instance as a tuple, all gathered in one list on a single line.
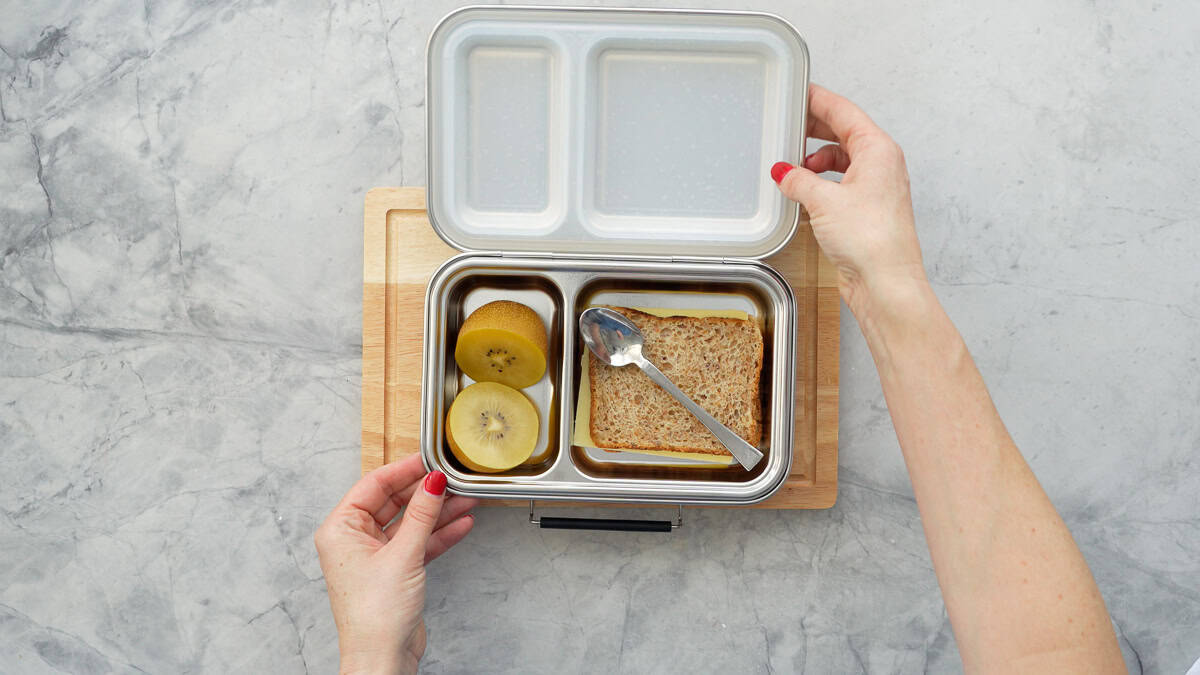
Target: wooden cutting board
[(400, 253)]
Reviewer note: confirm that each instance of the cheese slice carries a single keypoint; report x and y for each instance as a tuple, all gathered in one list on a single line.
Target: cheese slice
[(583, 407)]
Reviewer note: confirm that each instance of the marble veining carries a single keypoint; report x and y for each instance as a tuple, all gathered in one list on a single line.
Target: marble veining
[(180, 262)]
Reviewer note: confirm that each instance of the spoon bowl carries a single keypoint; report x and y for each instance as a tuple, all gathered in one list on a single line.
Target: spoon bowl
[(611, 336)]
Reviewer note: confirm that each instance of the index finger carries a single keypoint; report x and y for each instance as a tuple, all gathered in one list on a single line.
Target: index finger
[(374, 491), (836, 114)]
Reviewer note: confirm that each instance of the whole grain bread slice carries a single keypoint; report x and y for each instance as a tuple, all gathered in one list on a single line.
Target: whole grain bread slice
[(715, 361)]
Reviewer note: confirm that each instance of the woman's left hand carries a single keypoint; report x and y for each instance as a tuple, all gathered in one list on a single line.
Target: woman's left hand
[(375, 568)]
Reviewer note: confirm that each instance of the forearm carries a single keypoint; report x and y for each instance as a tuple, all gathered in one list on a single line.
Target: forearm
[(1015, 585)]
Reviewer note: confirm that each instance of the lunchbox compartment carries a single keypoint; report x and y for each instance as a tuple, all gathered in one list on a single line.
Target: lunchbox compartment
[(703, 293), (701, 83), (466, 293), (510, 161)]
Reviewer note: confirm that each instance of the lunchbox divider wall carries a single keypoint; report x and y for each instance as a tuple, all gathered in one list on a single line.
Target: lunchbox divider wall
[(569, 286)]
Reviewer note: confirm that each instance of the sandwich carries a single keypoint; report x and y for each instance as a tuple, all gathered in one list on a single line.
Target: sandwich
[(716, 361)]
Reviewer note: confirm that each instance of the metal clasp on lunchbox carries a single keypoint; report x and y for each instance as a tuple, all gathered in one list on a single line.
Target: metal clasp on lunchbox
[(606, 524)]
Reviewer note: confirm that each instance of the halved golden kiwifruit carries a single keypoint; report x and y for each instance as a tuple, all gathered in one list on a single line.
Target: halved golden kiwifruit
[(503, 342)]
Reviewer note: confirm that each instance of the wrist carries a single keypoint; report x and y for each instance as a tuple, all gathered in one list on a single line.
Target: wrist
[(897, 315), (881, 301), (374, 662)]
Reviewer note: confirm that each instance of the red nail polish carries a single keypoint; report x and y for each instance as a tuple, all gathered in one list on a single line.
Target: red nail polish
[(780, 170), (435, 483)]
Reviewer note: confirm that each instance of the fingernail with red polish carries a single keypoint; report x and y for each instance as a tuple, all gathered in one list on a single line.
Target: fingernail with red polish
[(780, 170), (435, 483)]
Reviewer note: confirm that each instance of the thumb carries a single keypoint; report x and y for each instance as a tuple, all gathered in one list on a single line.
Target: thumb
[(800, 185), (419, 519)]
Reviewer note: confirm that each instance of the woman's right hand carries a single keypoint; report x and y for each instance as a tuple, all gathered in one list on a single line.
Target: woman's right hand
[(865, 223), (374, 561)]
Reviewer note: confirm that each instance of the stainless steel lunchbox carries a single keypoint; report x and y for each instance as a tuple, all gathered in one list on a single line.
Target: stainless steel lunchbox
[(588, 156)]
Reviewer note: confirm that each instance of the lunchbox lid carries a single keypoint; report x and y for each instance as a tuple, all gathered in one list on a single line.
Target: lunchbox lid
[(613, 131)]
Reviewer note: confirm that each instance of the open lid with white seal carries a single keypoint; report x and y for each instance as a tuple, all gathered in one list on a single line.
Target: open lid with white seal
[(626, 132)]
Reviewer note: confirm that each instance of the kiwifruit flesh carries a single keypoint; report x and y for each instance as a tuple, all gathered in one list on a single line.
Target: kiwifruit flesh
[(491, 427)]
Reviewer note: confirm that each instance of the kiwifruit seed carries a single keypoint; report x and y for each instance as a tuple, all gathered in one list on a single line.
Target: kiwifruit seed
[(500, 358), (486, 421)]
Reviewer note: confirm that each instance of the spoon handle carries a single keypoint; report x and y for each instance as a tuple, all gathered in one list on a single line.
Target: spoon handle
[(747, 455)]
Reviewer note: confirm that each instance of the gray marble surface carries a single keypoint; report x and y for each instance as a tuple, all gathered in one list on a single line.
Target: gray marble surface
[(181, 190)]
